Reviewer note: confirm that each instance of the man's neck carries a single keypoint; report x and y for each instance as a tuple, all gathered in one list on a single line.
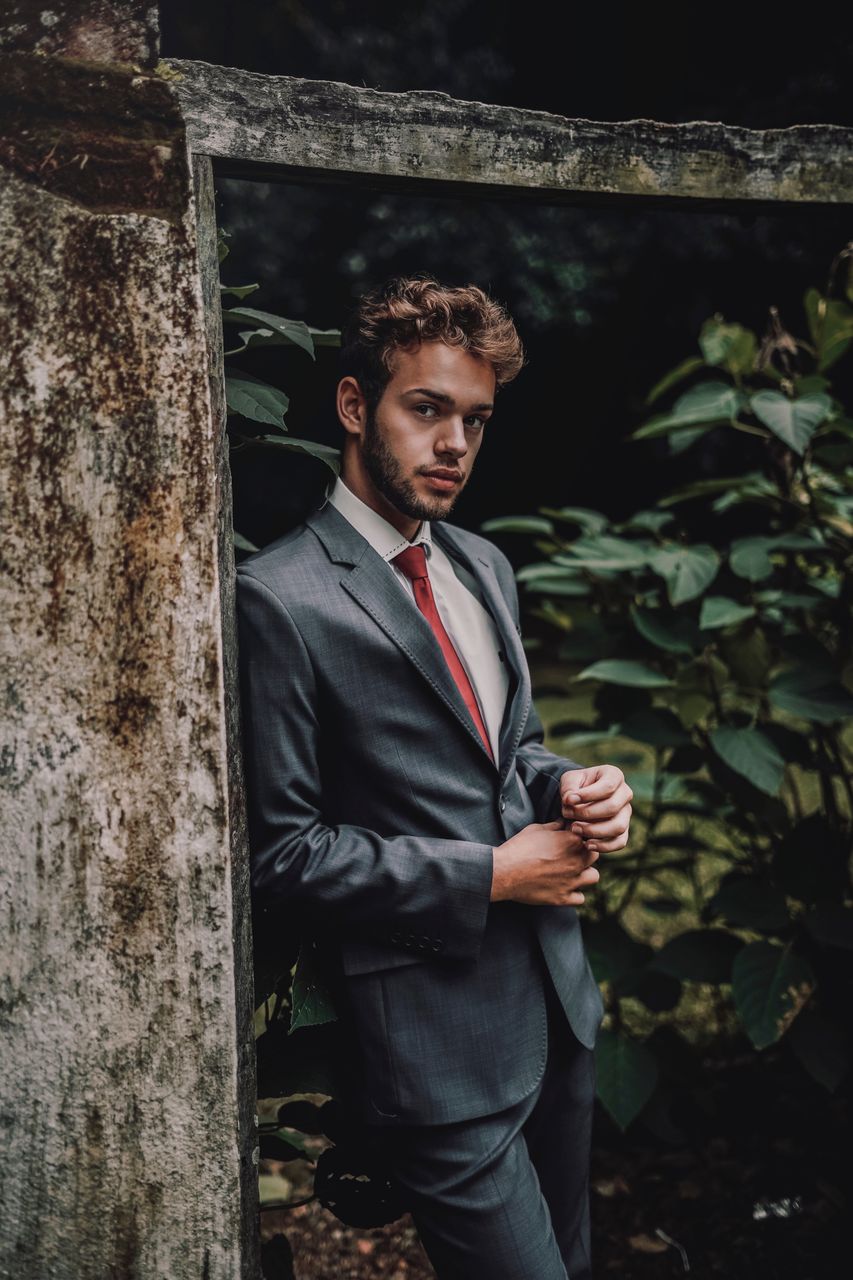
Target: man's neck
[(362, 487)]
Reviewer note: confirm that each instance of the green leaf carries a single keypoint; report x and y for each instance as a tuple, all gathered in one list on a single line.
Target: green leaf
[(646, 786), (517, 524), (681, 440), (703, 405), (625, 1075), (748, 654), (829, 586), (752, 488), (751, 902), (712, 485), (295, 332), (687, 571), (793, 421), (658, 726), (748, 558), (699, 955), (813, 541), (569, 586), (324, 452), (721, 611), (811, 861), (590, 520), (834, 456), (624, 671), (773, 598), (254, 399), (750, 753), (651, 521), (238, 290), (605, 552), (806, 692), (678, 374), (728, 345), (243, 543), (770, 985), (830, 324), (822, 1046), (542, 570), (325, 337), (675, 633), (312, 1000), (270, 338), (613, 953)]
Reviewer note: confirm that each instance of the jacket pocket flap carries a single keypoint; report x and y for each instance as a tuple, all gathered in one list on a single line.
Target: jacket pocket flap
[(366, 957)]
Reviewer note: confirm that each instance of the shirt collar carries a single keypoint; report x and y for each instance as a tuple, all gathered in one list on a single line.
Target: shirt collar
[(379, 532)]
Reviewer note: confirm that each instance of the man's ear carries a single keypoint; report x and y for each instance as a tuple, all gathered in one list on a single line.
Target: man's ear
[(351, 405)]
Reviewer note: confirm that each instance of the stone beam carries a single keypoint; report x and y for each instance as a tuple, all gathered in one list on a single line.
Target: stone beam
[(280, 126)]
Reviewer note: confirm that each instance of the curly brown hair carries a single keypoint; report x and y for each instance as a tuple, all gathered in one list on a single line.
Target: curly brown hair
[(407, 310)]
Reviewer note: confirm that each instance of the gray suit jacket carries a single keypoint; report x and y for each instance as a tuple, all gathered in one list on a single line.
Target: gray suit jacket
[(373, 811)]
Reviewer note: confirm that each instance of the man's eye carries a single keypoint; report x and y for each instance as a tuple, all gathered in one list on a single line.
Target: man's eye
[(424, 406), (476, 419)]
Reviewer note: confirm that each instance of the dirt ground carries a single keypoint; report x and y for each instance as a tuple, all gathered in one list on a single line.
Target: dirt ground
[(757, 1187)]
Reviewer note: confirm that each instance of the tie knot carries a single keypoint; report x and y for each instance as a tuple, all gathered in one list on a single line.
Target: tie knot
[(412, 561)]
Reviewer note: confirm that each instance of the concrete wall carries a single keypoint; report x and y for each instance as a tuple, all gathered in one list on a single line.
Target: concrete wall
[(127, 1085)]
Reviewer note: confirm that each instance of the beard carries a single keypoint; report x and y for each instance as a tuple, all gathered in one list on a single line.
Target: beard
[(388, 477)]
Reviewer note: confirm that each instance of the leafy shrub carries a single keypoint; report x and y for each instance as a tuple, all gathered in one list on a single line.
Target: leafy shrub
[(725, 660)]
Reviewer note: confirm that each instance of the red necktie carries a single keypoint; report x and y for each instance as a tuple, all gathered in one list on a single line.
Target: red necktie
[(412, 561)]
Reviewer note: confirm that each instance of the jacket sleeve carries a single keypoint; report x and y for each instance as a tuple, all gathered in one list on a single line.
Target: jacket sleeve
[(370, 886), (540, 769)]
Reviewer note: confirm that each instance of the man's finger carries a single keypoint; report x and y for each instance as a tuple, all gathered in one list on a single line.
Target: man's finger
[(612, 846), (603, 828), (602, 810), (609, 779)]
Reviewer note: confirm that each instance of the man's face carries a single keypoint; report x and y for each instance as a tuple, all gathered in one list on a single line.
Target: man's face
[(418, 448)]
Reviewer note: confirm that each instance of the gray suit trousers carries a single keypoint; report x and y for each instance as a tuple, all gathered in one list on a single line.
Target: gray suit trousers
[(505, 1196)]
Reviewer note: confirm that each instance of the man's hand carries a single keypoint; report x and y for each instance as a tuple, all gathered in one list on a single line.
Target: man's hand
[(543, 864), (596, 805)]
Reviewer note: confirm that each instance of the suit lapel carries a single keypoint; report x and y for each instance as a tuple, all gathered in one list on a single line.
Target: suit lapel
[(371, 583), (519, 692)]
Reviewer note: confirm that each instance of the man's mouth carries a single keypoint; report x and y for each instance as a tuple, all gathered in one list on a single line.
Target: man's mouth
[(443, 479)]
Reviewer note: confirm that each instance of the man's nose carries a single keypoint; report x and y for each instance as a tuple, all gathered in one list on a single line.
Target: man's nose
[(452, 439)]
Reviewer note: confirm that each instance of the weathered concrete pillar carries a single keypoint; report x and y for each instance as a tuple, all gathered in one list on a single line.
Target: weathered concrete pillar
[(126, 1060)]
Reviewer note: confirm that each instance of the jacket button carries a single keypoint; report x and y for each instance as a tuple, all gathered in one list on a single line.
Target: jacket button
[(503, 803), (436, 946), (396, 937)]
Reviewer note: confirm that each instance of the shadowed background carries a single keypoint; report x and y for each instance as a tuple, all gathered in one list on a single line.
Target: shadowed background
[(606, 299)]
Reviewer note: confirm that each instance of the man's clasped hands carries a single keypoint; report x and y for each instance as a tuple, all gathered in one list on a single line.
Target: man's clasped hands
[(552, 862)]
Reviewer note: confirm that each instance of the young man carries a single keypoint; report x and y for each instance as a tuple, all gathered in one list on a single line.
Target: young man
[(402, 801)]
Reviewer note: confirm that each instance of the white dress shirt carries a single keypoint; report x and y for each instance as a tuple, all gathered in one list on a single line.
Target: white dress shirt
[(471, 627)]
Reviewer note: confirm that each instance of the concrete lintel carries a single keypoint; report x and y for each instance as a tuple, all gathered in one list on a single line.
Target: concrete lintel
[(423, 141)]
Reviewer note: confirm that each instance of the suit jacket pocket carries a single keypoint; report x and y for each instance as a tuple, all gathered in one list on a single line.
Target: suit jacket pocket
[(368, 957)]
